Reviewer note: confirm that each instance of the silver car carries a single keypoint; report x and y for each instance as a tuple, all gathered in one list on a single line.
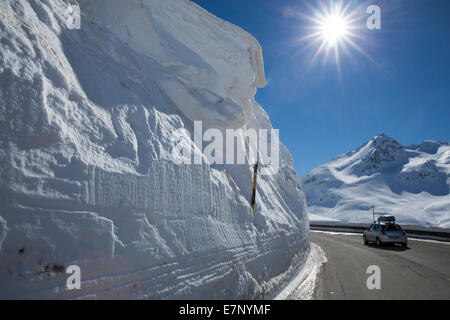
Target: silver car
[(384, 233)]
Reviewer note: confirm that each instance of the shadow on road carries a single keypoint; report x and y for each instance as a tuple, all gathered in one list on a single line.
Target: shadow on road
[(390, 247)]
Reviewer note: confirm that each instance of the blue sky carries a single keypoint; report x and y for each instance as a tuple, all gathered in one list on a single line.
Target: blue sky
[(403, 92)]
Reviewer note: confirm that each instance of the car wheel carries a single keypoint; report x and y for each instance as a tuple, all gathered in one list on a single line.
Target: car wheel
[(365, 241), (378, 242)]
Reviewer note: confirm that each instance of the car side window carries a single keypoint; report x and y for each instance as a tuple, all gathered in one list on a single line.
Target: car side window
[(371, 227)]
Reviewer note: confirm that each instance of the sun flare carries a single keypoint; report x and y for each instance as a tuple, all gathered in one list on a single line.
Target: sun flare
[(336, 27), (333, 29)]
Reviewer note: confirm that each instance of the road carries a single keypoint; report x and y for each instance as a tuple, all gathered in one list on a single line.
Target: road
[(419, 271)]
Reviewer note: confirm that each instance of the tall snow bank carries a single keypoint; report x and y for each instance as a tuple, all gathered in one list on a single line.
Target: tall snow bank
[(87, 176)]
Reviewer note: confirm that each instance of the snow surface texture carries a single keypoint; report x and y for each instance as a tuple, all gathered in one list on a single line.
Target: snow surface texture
[(411, 183), (87, 177)]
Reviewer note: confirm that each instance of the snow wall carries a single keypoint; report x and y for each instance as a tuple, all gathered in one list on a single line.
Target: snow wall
[(87, 173)]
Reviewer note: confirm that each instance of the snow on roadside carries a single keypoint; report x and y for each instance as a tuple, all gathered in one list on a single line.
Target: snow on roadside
[(303, 285)]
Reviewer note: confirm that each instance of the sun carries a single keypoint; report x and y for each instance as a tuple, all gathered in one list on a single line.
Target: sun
[(333, 29)]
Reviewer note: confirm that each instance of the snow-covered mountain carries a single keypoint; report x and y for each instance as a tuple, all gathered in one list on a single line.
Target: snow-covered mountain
[(410, 182), (87, 174)]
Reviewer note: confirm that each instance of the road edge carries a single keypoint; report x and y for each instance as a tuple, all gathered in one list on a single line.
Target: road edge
[(303, 285)]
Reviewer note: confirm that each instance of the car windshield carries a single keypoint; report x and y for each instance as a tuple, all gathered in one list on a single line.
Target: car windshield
[(390, 227)]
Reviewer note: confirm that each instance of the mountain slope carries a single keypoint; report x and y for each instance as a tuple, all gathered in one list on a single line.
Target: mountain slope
[(410, 182), (87, 170)]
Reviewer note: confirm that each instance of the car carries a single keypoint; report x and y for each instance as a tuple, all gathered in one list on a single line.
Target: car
[(385, 231)]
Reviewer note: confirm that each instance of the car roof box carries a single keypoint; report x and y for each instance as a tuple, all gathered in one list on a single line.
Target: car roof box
[(386, 219)]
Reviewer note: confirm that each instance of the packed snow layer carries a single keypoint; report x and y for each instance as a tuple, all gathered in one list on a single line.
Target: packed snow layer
[(409, 182), (87, 175)]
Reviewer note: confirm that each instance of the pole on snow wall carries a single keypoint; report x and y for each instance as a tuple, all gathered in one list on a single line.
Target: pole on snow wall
[(255, 174)]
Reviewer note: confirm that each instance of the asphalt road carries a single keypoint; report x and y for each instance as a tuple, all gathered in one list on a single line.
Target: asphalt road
[(419, 271)]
